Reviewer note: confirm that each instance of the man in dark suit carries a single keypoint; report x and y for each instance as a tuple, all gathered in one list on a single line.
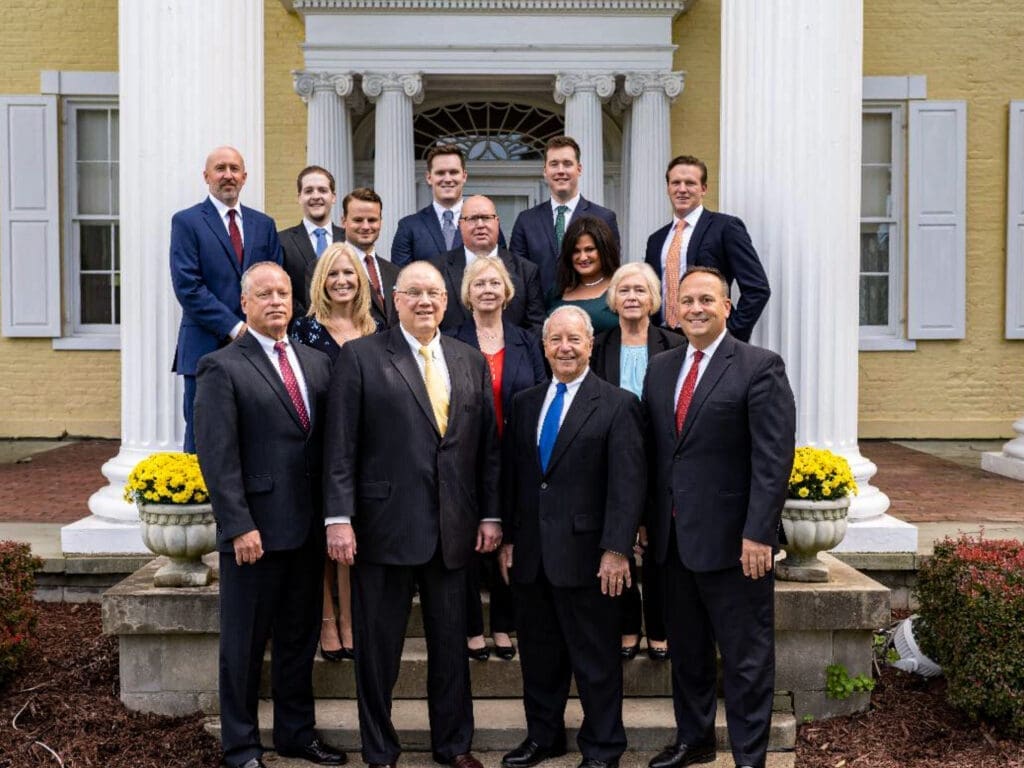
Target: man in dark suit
[(361, 211), (304, 243), (705, 238), (211, 245), (538, 231), (412, 475), (573, 488), (259, 433), (479, 227), (721, 422)]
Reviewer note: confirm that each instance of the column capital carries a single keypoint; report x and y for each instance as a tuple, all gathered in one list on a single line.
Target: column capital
[(620, 101), (307, 83), (668, 83), (376, 83), (570, 83)]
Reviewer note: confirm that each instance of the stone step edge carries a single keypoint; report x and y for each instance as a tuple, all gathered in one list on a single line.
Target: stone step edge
[(569, 760), (650, 724)]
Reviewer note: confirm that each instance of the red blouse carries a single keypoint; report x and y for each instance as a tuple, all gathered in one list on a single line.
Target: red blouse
[(496, 363)]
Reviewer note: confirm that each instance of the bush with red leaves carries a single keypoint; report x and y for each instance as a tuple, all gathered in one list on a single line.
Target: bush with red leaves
[(18, 615)]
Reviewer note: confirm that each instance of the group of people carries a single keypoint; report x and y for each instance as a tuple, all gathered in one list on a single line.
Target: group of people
[(531, 418)]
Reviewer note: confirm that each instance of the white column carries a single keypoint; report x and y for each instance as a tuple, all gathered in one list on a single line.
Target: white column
[(582, 93), (652, 93), (790, 167), (329, 96), (394, 176), (1009, 461), (621, 105), (173, 111)]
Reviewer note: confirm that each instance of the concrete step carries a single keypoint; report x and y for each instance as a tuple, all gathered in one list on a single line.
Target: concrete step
[(500, 724), (571, 760), (494, 678)]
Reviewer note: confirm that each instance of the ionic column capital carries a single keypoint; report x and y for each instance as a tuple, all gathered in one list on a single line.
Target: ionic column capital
[(376, 83), (570, 83), (307, 83), (668, 83)]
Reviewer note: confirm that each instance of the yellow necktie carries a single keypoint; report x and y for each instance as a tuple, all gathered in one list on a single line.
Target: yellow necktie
[(436, 390)]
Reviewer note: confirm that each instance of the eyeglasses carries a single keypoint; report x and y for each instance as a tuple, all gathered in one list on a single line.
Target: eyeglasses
[(482, 218), (415, 294)]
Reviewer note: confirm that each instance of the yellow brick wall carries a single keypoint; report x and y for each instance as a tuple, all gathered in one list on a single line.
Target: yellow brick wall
[(47, 393), (970, 50)]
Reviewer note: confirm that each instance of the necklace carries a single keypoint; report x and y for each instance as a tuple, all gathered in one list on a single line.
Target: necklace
[(489, 335), (596, 282)]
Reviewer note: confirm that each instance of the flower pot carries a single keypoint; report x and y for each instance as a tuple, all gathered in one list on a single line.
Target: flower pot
[(183, 533), (811, 527)]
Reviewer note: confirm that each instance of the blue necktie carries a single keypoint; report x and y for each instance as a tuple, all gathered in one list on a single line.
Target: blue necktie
[(448, 229), (321, 241), (549, 429)]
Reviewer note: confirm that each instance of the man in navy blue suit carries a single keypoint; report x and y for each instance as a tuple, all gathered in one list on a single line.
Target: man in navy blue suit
[(212, 244), (537, 234), (703, 238)]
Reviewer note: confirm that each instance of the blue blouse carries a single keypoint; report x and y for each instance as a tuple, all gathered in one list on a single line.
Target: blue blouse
[(632, 368)]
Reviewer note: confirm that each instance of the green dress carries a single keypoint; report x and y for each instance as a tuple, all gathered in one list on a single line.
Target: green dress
[(600, 315)]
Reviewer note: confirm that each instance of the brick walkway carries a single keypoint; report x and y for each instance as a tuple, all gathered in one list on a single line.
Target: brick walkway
[(55, 485)]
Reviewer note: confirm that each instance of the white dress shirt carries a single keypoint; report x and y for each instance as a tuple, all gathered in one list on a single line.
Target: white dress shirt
[(310, 227), (691, 220), (456, 213), (268, 346), (688, 363), (570, 204), (572, 387)]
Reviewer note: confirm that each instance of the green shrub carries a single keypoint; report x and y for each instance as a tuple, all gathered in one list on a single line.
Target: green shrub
[(17, 610), (971, 594)]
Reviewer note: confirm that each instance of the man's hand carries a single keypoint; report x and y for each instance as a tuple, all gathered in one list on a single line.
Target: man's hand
[(488, 537), (756, 559), (248, 547), (505, 562), (614, 574), (341, 543)]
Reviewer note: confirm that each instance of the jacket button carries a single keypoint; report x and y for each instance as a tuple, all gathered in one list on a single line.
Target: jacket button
[(543, 486)]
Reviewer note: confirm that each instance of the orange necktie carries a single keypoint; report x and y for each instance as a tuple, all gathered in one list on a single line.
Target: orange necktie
[(672, 260)]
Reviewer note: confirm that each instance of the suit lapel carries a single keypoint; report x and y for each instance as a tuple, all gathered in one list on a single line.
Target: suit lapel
[(305, 359), (402, 359), (515, 358), (458, 375), (583, 405), (434, 228), (548, 224), (720, 362), (213, 221), (249, 235), (693, 248), (252, 350), (613, 361)]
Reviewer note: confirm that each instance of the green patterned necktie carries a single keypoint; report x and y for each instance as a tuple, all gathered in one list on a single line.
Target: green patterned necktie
[(560, 224)]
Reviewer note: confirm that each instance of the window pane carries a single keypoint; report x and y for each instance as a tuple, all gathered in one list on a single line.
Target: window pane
[(94, 240), (92, 134), (877, 138), (117, 246), (115, 189), (117, 299), (874, 247), (875, 191), (874, 300), (94, 188), (95, 292)]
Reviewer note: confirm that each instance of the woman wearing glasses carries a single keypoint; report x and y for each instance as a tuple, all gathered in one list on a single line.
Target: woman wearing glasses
[(514, 358), (339, 311)]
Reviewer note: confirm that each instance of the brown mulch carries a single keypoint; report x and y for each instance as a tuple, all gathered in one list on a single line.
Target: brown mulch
[(65, 699)]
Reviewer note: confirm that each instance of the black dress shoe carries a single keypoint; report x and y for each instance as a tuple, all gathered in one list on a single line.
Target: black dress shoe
[(317, 752), (657, 654), (678, 755), (254, 763), (505, 652), (593, 762), (530, 753), (479, 654), (629, 652)]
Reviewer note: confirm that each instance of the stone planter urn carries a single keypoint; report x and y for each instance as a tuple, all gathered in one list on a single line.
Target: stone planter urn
[(183, 533), (811, 527)]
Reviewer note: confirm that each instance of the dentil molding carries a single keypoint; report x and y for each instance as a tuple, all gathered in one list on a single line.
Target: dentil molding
[(630, 7)]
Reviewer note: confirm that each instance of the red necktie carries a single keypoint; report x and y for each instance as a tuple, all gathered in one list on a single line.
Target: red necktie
[(371, 269), (235, 235), (291, 384), (686, 393)]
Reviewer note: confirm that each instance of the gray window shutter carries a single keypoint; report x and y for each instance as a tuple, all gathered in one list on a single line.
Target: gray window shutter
[(29, 217), (1015, 226), (936, 226)]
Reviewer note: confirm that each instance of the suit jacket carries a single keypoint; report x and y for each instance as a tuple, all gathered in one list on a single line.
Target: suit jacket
[(419, 237), (389, 469), (533, 236), (721, 241), (300, 261), (726, 474), (524, 362), (606, 360), (263, 470), (385, 315), (592, 495), (206, 276), (526, 309)]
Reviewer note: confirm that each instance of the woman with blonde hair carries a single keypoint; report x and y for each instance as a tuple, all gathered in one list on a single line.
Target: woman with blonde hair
[(339, 311)]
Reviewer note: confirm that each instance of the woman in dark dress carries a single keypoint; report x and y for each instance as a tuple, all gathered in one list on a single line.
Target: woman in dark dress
[(339, 311), (515, 361), (586, 263), (620, 357)]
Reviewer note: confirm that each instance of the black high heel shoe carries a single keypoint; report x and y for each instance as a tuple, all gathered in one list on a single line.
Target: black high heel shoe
[(505, 652), (478, 654), (629, 652)]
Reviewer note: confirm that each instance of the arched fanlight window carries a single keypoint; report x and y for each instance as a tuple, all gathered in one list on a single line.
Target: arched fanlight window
[(487, 130)]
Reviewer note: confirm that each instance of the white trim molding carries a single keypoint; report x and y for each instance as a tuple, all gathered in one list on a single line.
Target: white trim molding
[(896, 88), (71, 83), (1015, 225), (630, 7)]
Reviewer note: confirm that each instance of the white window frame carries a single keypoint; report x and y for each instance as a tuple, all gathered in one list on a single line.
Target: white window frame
[(892, 336)]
